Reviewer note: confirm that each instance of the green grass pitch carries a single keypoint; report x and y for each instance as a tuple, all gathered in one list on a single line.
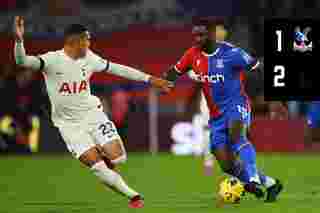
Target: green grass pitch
[(59, 184)]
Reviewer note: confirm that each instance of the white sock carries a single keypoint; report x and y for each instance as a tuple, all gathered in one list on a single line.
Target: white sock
[(269, 182), (255, 179), (112, 179)]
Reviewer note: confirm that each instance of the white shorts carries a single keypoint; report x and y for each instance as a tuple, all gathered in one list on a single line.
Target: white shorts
[(98, 130)]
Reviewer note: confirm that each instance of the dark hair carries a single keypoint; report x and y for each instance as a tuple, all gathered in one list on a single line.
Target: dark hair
[(74, 29), (211, 21)]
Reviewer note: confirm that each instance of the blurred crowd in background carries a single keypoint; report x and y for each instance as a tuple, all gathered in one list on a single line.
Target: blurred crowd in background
[(26, 102)]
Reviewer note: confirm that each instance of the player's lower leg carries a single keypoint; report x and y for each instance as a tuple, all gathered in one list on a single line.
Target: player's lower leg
[(135, 201), (242, 174), (246, 153), (247, 157), (113, 153), (247, 165), (112, 179), (231, 166), (235, 169), (97, 162), (243, 149)]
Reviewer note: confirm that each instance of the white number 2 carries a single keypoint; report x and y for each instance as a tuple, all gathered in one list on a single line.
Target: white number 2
[(279, 40), (280, 74)]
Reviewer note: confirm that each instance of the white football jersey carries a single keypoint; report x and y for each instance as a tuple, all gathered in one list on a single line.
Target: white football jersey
[(67, 82)]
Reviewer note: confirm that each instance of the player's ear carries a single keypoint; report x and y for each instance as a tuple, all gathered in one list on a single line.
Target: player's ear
[(84, 42), (226, 34)]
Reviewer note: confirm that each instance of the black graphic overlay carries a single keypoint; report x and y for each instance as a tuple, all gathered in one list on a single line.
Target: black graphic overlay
[(292, 59)]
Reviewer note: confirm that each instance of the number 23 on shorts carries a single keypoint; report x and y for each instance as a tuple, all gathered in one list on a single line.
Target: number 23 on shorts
[(107, 129)]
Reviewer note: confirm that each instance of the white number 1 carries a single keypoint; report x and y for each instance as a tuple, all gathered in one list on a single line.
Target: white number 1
[(279, 39), (280, 74)]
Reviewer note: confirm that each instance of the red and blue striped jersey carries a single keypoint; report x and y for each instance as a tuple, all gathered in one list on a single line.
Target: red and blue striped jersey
[(220, 73)]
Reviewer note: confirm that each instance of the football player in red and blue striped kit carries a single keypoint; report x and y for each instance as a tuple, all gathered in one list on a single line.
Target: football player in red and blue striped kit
[(218, 66)]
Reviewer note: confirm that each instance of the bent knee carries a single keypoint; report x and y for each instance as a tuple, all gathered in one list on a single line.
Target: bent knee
[(115, 150), (120, 160)]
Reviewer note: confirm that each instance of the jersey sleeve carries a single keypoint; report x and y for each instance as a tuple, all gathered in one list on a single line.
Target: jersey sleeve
[(185, 62), (99, 64), (46, 60), (243, 61)]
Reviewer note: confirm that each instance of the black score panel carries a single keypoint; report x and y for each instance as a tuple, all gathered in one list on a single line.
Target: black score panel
[(292, 59)]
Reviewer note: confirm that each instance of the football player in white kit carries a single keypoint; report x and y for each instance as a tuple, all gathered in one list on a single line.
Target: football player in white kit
[(88, 133)]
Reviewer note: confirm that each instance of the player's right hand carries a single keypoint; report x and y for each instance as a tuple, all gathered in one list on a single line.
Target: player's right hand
[(19, 28), (162, 84)]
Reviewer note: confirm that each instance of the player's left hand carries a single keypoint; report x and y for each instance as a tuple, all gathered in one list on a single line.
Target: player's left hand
[(163, 85), (278, 111)]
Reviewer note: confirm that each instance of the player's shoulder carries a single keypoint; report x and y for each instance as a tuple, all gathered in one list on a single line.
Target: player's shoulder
[(91, 53), (54, 53), (226, 44), (93, 56), (51, 57), (231, 50), (228, 47), (51, 54)]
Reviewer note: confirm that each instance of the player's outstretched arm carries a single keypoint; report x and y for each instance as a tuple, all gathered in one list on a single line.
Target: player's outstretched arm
[(136, 75), (21, 57), (172, 75), (182, 67)]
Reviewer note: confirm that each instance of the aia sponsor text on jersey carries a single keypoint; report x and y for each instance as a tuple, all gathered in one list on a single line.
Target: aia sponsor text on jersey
[(74, 87)]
